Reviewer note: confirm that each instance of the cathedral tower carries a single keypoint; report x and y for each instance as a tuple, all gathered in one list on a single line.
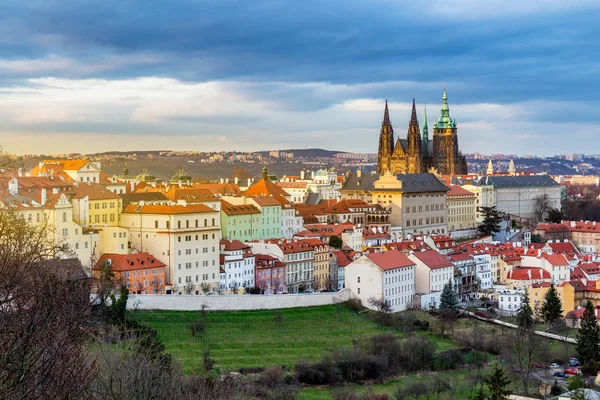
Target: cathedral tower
[(386, 143), (413, 144), (446, 156)]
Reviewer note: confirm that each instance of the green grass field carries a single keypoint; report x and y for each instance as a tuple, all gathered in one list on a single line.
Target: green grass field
[(254, 339)]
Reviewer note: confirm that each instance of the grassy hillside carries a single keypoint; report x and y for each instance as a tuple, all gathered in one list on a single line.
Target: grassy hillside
[(254, 338)]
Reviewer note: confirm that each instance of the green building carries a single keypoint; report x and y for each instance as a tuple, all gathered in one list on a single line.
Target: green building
[(240, 221)]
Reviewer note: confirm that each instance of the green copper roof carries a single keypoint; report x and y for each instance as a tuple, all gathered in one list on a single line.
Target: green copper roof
[(425, 128), (445, 121)]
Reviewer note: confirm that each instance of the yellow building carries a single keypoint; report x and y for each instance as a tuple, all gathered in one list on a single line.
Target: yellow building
[(462, 209), (321, 273), (95, 205), (566, 293)]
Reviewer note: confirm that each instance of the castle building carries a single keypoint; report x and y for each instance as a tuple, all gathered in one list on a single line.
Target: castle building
[(417, 154)]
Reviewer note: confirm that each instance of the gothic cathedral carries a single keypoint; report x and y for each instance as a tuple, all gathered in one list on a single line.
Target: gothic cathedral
[(417, 154)]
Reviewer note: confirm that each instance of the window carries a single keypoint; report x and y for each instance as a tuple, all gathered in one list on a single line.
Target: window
[(64, 217), (358, 279), (155, 224)]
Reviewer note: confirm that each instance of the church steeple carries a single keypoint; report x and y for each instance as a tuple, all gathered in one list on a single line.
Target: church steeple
[(425, 128), (386, 142), (445, 121), (490, 168), (413, 117), (386, 115)]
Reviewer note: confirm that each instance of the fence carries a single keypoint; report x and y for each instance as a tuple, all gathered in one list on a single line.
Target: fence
[(235, 302)]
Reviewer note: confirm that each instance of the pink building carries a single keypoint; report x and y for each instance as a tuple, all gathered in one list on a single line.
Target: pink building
[(270, 274)]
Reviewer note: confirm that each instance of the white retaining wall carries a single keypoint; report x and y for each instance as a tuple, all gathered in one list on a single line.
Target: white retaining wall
[(235, 302)]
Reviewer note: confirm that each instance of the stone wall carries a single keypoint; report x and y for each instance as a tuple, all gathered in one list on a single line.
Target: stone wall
[(235, 302)]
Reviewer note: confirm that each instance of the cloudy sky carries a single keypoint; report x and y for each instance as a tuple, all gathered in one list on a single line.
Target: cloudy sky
[(81, 76)]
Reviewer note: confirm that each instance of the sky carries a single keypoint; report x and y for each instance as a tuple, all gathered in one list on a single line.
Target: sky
[(522, 77)]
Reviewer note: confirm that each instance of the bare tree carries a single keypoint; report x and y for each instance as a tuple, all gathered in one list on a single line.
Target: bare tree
[(542, 206), (521, 349), (44, 318)]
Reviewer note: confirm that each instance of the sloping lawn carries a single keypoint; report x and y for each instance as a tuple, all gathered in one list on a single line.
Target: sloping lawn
[(259, 338)]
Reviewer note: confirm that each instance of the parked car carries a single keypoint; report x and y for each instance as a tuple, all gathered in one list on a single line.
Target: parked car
[(574, 363), (560, 374), (571, 371), (309, 291), (555, 365), (538, 365)]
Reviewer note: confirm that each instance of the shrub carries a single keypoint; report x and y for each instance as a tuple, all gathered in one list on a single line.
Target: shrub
[(272, 377), (196, 327), (255, 290), (354, 305), (386, 347), (590, 368), (418, 353)]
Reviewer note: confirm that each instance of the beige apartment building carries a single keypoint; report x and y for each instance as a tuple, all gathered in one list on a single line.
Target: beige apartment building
[(462, 209)]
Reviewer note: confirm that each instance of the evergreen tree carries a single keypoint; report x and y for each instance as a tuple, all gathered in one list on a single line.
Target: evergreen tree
[(448, 299), (491, 221), (552, 306), (588, 337), (497, 383), (525, 313)]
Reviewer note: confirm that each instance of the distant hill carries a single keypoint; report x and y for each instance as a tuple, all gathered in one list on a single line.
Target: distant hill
[(307, 152)]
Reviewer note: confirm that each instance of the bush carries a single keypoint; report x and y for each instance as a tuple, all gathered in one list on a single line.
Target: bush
[(354, 305), (418, 353), (196, 327), (255, 290), (272, 377), (388, 349), (590, 368)]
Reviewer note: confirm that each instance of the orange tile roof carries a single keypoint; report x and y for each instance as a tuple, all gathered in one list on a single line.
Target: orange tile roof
[(231, 245), (243, 209), (291, 185), (220, 188), (94, 191), (265, 187), (167, 209), (556, 259)]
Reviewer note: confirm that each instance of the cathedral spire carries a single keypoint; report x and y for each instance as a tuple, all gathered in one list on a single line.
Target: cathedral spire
[(445, 121), (511, 167), (425, 127), (386, 115), (413, 117), (490, 168)]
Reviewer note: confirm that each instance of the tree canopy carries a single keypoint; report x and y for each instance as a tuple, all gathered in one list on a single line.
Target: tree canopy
[(588, 337), (491, 221), (552, 306), (448, 299), (525, 313)]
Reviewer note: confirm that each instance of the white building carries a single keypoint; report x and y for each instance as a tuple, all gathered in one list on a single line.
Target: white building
[(509, 301), (387, 276), (483, 269), (517, 195), (238, 265), (298, 257), (433, 271), (185, 236)]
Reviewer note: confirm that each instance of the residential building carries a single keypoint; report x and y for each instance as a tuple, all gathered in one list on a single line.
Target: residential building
[(240, 222), (321, 268), (238, 265), (433, 271), (142, 273), (464, 283), (387, 277), (462, 209), (509, 301), (537, 294), (298, 257), (297, 190), (185, 236), (270, 274), (95, 206), (525, 277)]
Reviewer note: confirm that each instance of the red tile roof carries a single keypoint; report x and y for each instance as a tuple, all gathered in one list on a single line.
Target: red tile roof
[(342, 257), (265, 187), (457, 191), (556, 259), (460, 257), (231, 245), (130, 262), (522, 274), (389, 260), (433, 259)]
